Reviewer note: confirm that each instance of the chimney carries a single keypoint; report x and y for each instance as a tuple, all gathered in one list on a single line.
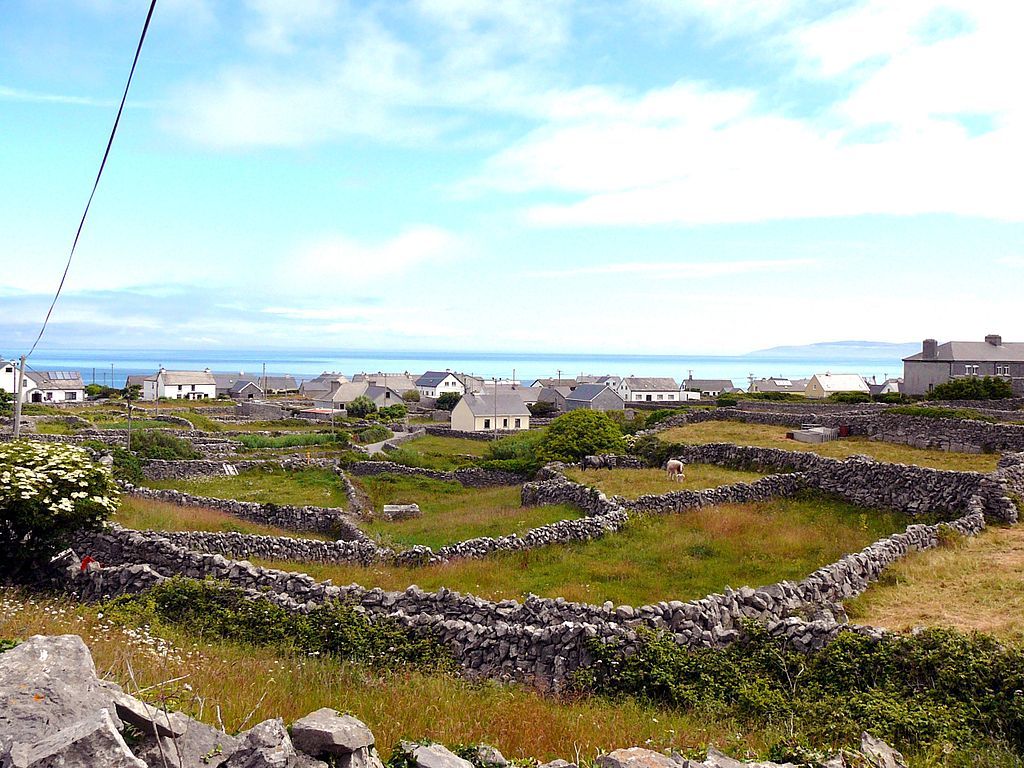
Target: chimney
[(994, 339), (930, 349)]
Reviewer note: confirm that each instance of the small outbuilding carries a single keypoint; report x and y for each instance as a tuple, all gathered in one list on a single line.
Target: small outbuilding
[(594, 397)]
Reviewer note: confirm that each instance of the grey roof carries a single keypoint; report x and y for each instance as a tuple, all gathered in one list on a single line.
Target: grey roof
[(173, 378), (57, 379), (588, 392), (650, 384), (704, 385), (241, 384), (509, 404), (877, 389), (980, 351), (433, 378), (136, 379), (555, 382)]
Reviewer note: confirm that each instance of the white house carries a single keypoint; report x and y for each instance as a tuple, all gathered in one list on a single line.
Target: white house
[(822, 385), (179, 385), (634, 389), (707, 387), (482, 413), (43, 386), (436, 383)]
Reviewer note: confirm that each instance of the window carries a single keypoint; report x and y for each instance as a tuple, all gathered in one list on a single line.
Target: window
[(193, 387), (648, 398), (179, 387), (519, 423), (71, 396), (661, 397), (1002, 370), (504, 423), (971, 370), (487, 423)]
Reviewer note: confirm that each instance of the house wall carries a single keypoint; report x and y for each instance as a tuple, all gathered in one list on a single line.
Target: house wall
[(919, 376), (464, 420), (57, 395), (172, 392), (448, 384), (606, 401), (668, 396)]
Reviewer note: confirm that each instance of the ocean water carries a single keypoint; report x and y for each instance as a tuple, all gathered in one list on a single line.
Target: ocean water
[(104, 366)]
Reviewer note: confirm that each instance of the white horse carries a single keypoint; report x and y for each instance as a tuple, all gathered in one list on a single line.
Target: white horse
[(674, 470)]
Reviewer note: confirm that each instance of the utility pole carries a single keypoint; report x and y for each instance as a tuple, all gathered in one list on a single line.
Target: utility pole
[(264, 385), (111, 375), (495, 379), (19, 393), (128, 397)]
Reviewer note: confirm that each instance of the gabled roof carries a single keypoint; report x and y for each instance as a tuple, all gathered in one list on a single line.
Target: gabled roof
[(980, 351), (175, 378), (509, 404), (555, 383), (57, 379), (240, 386), (587, 393), (433, 378), (650, 384), (841, 382), (717, 385)]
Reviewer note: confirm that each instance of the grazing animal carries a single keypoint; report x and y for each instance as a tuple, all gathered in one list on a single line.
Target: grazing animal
[(674, 469)]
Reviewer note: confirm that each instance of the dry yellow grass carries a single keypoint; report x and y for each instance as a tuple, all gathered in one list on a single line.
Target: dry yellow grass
[(248, 685), (975, 584), (767, 436), (632, 483)]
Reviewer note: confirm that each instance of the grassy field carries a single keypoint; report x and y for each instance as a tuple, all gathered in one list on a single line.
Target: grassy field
[(767, 436), (451, 512), (148, 514), (632, 483), (441, 453), (976, 583), (658, 558), (313, 487), (247, 685)]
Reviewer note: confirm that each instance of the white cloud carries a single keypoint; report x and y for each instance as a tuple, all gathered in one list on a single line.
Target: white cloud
[(277, 23), (689, 270), (16, 94)]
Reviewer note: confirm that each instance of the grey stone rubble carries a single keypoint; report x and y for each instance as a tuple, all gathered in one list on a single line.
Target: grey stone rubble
[(72, 725)]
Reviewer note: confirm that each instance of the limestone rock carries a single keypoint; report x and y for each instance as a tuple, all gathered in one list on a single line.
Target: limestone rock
[(716, 759), (264, 746), (326, 732), (638, 757), (48, 684), (434, 756), (145, 717), (490, 756), (879, 754), (559, 763), (88, 743), (197, 746)]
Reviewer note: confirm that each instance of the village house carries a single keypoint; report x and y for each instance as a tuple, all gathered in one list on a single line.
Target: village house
[(554, 383), (822, 385), (707, 387), (556, 395), (779, 384), (243, 389), (400, 382), (269, 384), (887, 387), (179, 385), (594, 397), (343, 394), (635, 389), (436, 383), (321, 385), (486, 412), (938, 363), (43, 386)]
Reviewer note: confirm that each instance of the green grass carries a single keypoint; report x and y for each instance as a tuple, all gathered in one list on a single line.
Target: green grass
[(152, 515), (55, 428), (451, 512), (767, 436), (441, 453), (312, 487), (200, 420), (669, 557), (633, 483), (259, 442), (137, 424)]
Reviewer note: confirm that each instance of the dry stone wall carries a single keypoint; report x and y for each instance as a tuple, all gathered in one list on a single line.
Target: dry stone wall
[(471, 477)]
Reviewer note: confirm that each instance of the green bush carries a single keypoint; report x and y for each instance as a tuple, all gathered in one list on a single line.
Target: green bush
[(936, 412), (48, 491), (127, 467), (639, 421), (730, 401), (392, 412), (890, 397), (580, 433), (785, 397), (161, 444), (541, 408), (6, 403), (515, 453), (448, 401), (98, 390), (360, 407), (849, 397), (374, 434), (213, 611), (972, 388), (411, 395), (935, 688)]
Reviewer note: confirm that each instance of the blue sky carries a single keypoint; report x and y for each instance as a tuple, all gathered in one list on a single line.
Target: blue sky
[(650, 176)]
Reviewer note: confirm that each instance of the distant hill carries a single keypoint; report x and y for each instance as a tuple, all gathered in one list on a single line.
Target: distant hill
[(842, 350)]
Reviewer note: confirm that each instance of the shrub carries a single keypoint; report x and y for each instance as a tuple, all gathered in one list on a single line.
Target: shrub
[(360, 407), (889, 397), (541, 408), (392, 412), (374, 434), (972, 388), (161, 444), (790, 397), (6, 402), (127, 467), (448, 401), (98, 390), (849, 397), (515, 453), (216, 611), (730, 401), (580, 433), (48, 491), (639, 421), (411, 395), (936, 412)]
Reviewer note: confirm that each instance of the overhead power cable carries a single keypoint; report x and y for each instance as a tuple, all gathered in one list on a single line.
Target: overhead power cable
[(99, 174)]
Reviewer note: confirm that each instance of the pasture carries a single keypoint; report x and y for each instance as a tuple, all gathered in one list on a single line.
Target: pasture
[(304, 487), (684, 556), (633, 483), (153, 515), (767, 436)]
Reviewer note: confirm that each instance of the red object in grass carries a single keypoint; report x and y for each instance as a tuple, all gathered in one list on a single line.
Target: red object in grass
[(88, 559)]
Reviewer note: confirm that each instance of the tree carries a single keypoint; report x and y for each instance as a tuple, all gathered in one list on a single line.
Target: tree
[(48, 491), (411, 395), (973, 388), (360, 407), (448, 401), (160, 444), (541, 408), (580, 433), (393, 412), (6, 403)]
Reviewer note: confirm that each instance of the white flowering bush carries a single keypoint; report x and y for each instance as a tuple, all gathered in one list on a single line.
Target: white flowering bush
[(47, 492)]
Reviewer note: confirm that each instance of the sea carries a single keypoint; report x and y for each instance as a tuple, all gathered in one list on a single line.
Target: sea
[(111, 367)]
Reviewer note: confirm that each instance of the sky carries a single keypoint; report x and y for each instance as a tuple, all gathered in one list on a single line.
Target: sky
[(608, 176)]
